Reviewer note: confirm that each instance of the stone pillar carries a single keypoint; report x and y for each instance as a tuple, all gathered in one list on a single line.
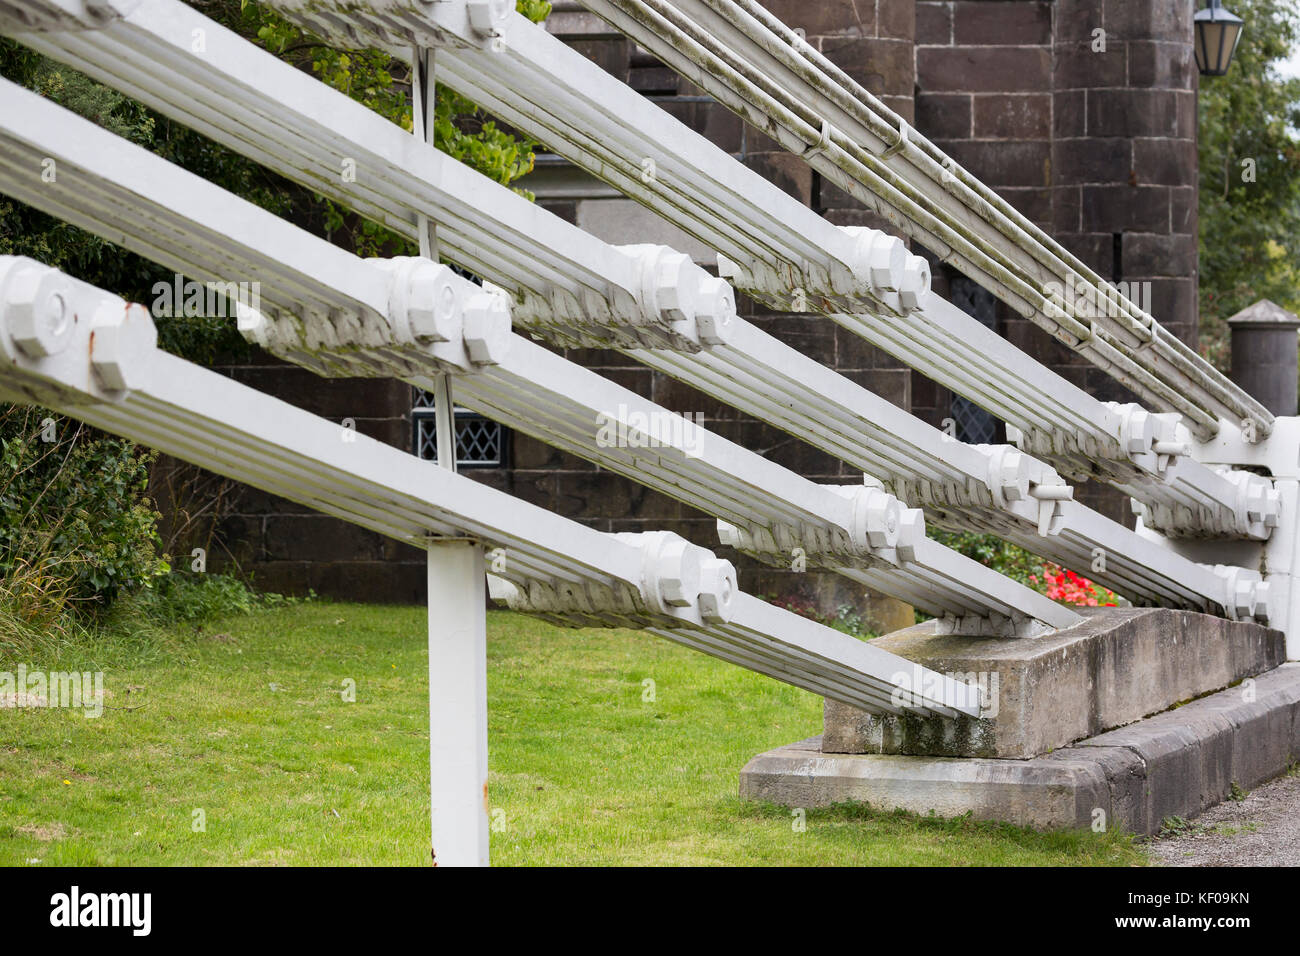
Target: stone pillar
[(1124, 163), (1265, 350), (1082, 114)]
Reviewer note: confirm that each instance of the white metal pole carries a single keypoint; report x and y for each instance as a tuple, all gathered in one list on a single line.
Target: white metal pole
[(458, 764), (423, 106)]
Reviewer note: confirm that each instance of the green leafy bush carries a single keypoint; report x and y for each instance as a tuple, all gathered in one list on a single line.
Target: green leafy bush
[(184, 597), (76, 528), (990, 550)]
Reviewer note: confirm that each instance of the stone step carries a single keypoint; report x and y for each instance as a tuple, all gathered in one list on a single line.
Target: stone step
[(1178, 763)]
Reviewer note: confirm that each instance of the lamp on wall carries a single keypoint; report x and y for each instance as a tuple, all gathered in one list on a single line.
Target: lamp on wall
[(1217, 35)]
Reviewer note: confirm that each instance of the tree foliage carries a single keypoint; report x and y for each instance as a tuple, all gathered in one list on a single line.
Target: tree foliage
[(1250, 175), (370, 77), (76, 525)]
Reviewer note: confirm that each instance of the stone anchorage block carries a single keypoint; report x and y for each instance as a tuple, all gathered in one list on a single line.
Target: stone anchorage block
[(1194, 755), (1116, 667), (1052, 793), (1177, 763)]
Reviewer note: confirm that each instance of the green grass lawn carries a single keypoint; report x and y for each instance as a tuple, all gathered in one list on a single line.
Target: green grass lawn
[(248, 724)]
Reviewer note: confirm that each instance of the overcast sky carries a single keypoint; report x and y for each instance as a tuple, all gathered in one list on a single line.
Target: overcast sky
[(1291, 67)]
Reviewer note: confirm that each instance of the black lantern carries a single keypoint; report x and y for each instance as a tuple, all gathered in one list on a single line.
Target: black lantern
[(1217, 35)]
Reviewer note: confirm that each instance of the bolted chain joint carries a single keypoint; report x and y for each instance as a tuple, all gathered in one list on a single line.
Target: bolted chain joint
[(886, 271), (682, 585), (39, 310), (881, 277), (66, 342), (1026, 487), (432, 313), (486, 16), (1246, 595), (672, 304), (1252, 511), (1149, 439), (880, 532), (1017, 489)]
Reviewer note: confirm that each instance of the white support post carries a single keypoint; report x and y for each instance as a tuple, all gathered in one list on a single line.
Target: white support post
[(458, 763)]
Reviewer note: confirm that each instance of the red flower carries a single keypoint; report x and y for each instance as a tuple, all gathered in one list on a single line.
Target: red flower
[(1070, 588)]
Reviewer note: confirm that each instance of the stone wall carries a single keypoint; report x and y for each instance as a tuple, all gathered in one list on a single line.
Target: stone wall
[(1082, 114)]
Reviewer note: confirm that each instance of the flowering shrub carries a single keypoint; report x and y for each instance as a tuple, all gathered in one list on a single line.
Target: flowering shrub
[(1029, 569), (1069, 588)]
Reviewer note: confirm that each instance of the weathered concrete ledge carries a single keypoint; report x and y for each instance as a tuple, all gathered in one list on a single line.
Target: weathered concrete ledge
[(1117, 666), (1180, 762)]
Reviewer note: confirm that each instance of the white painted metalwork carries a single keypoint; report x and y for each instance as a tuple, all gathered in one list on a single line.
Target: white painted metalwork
[(1213, 476), (458, 713), (440, 322), (118, 380), (695, 314), (744, 56), (781, 252), (458, 738)]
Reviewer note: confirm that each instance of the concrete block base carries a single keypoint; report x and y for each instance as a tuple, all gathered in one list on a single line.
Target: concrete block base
[(1117, 666), (1180, 762)]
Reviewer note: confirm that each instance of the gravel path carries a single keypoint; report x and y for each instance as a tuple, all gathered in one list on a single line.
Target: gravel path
[(1262, 830)]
